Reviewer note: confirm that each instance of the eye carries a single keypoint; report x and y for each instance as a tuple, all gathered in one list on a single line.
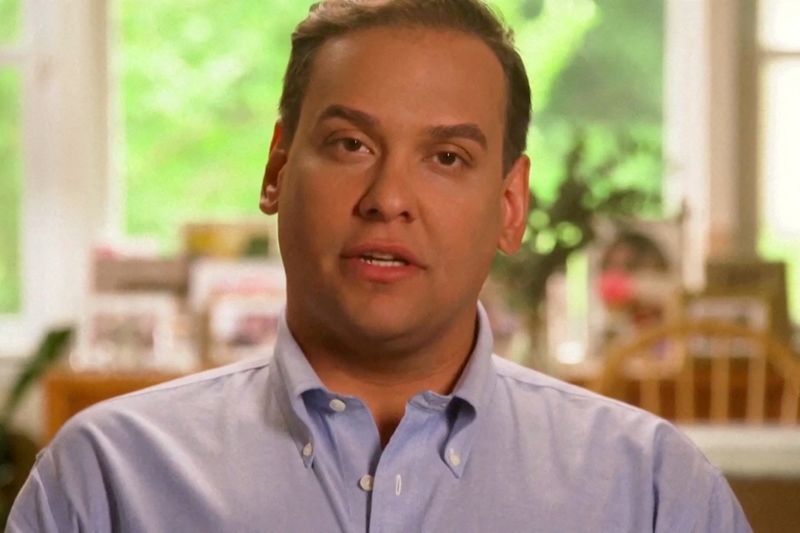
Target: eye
[(345, 147), (449, 159), (351, 145)]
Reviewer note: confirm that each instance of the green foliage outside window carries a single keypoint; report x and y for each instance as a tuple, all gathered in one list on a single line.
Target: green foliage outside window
[(9, 20), (596, 140), (200, 88), (9, 165), (9, 192), (201, 82)]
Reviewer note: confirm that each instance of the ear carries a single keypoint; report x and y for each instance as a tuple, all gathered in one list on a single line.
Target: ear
[(514, 206), (271, 186)]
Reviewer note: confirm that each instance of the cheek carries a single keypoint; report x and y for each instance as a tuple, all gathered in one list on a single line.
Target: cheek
[(313, 212), (471, 231)]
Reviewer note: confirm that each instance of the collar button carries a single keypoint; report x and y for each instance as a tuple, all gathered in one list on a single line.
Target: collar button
[(337, 405)]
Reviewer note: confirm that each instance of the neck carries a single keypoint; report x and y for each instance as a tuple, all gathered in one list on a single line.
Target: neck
[(386, 382)]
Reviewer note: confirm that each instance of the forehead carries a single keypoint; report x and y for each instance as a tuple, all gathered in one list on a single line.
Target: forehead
[(409, 74)]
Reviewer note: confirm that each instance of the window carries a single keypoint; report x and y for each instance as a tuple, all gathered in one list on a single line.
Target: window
[(10, 154), (200, 88), (193, 91), (10, 197), (55, 185), (779, 160), (609, 85), (9, 20)]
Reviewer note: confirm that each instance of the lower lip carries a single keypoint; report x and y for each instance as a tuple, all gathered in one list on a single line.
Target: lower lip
[(378, 273)]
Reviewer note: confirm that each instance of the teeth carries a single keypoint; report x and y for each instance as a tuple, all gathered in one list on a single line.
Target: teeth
[(383, 259), (382, 262), (378, 255)]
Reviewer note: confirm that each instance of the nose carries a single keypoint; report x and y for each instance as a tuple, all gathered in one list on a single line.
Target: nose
[(389, 194)]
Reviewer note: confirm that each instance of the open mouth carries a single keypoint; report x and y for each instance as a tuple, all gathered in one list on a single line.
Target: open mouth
[(382, 260)]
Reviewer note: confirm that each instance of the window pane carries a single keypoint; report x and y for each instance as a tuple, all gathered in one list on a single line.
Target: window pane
[(611, 84), (9, 20), (9, 192), (200, 88), (780, 157), (780, 24), (780, 162)]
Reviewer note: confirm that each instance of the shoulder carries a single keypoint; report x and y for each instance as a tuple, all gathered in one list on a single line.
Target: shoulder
[(182, 405), (134, 450), (215, 381), (526, 384), (609, 426), (602, 443)]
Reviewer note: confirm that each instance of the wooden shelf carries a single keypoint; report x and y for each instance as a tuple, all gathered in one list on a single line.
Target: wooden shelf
[(67, 392)]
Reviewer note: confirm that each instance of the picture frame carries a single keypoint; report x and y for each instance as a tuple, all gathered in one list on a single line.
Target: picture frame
[(127, 331), (210, 279), (740, 308), (651, 273), (242, 326), (236, 305), (764, 279)]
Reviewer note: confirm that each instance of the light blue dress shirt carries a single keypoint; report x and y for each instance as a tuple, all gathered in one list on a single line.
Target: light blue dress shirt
[(264, 447)]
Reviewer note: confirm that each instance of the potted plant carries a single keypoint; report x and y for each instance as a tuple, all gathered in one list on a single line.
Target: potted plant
[(564, 225), (17, 450)]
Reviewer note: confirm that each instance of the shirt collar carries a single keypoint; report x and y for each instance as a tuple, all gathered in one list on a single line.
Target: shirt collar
[(476, 379), (295, 376)]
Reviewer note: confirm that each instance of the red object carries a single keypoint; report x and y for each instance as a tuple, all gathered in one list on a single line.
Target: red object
[(616, 288)]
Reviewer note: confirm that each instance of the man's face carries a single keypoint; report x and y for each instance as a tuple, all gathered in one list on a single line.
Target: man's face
[(391, 198)]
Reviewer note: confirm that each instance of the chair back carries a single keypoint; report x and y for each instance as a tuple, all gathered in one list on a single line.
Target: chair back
[(705, 371)]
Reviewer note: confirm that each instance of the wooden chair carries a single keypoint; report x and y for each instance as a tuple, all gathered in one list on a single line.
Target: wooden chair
[(705, 371)]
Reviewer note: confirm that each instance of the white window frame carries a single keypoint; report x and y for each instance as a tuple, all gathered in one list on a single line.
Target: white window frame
[(67, 195), (13, 55), (766, 54), (709, 128)]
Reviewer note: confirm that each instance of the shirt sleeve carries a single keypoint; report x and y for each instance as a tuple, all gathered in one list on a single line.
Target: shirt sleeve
[(724, 513), (64, 492), (692, 495), (41, 509)]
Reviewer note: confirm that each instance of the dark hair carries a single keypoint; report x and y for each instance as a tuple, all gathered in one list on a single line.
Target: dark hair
[(645, 250), (331, 18)]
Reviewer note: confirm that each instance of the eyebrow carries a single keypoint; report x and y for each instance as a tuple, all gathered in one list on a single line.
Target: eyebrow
[(467, 131), (443, 132), (348, 113)]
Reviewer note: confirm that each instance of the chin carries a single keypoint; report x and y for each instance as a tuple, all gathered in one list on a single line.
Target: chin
[(381, 327)]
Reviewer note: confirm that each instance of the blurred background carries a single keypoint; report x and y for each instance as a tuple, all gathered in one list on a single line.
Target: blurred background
[(133, 137)]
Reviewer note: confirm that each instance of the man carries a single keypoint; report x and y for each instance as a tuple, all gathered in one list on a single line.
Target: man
[(396, 171)]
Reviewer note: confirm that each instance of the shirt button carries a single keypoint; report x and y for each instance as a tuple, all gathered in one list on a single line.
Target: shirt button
[(308, 449), (365, 482), (337, 405), (455, 459)]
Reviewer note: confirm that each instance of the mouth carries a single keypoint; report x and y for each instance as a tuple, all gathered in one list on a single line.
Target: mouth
[(384, 263), (381, 259), (383, 255)]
